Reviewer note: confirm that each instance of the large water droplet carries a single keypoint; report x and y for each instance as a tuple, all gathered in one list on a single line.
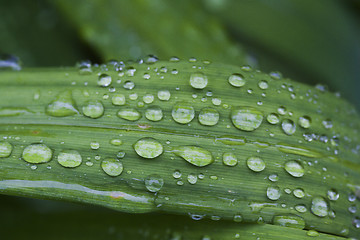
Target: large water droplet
[(288, 126), (198, 80), (69, 158), (246, 118), (333, 195), (263, 84), (154, 113), (63, 105), (93, 109), (197, 156), (192, 178), (208, 117), (229, 159), (294, 168), (37, 153), (256, 164), (237, 80), (164, 95), (5, 149), (299, 193), (319, 207), (291, 221), (118, 99), (305, 121), (154, 182), (148, 148), (183, 112), (129, 113), (273, 192), (104, 80), (112, 167), (148, 98), (129, 85)]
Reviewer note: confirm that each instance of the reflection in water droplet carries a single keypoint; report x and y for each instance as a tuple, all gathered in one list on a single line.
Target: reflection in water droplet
[(63, 105), (256, 164), (192, 178), (229, 159), (183, 112), (288, 126), (197, 156), (69, 158), (319, 207), (305, 121), (177, 174), (115, 142), (300, 208), (148, 98), (154, 182), (5, 149), (273, 118), (118, 99), (129, 85), (198, 80), (237, 80), (274, 177), (37, 153), (294, 168), (281, 110), (112, 167), (208, 117), (333, 195), (129, 113), (93, 109), (246, 118), (154, 113), (104, 80), (263, 84), (94, 145), (291, 221), (148, 148), (164, 95), (273, 192), (299, 193)]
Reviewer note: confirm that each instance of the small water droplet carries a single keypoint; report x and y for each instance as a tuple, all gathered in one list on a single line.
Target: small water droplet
[(209, 117), (164, 95), (177, 174), (154, 113), (229, 159), (237, 218), (327, 123), (183, 112), (115, 142), (198, 80), (319, 207), (237, 80), (148, 98), (288, 126), (37, 153), (273, 192), (197, 156), (129, 113), (94, 145), (118, 99), (281, 110), (120, 154), (93, 109), (294, 168), (104, 80), (274, 177), (129, 85), (312, 233), (69, 158), (305, 121), (5, 149), (151, 59), (112, 167), (148, 148), (256, 164), (216, 101), (154, 182), (263, 84), (299, 193), (273, 118), (63, 105), (291, 221), (333, 195), (246, 118), (192, 178), (356, 222), (301, 208)]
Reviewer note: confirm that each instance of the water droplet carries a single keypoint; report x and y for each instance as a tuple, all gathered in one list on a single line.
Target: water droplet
[(288, 126), (154, 113), (327, 123), (148, 148), (273, 118), (263, 84), (120, 154), (356, 222), (104, 80), (164, 95), (197, 156), (305, 121), (231, 140), (177, 174), (352, 197), (8, 61), (312, 233), (273, 192), (319, 207), (115, 142), (274, 177), (229, 159), (63, 105), (281, 110), (69, 158), (5, 149), (129, 85), (129, 113), (198, 80), (256, 164), (192, 178), (216, 101), (352, 209), (238, 218), (333, 195), (301, 208), (237, 80), (13, 111), (93, 109), (37, 153), (118, 99), (151, 59), (154, 182), (208, 117), (246, 118), (148, 98), (112, 167), (183, 112), (94, 145), (291, 221), (299, 193), (294, 168)]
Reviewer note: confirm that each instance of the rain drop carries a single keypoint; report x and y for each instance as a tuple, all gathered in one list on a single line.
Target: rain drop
[(198, 80), (319, 207), (164, 95), (288, 126), (69, 158), (237, 80), (154, 183), (256, 164), (273, 118), (5, 149), (294, 168), (305, 122), (183, 112), (129, 113), (154, 113), (246, 118), (37, 153), (208, 117), (63, 105), (104, 80), (148, 148), (93, 109), (197, 156), (273, 192), (112, 167), (118, 99), (229, 159), (333, 195)]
